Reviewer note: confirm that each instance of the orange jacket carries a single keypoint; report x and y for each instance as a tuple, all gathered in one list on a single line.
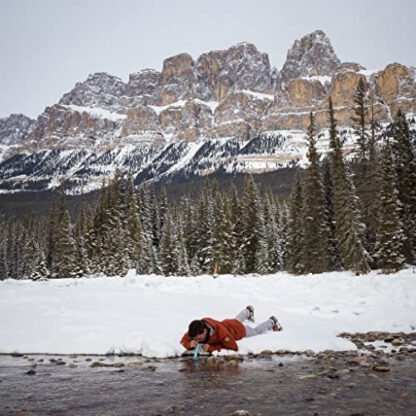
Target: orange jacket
[(227, 332)]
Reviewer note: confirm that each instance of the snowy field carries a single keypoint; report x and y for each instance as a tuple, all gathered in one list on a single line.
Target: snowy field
[(149, 314)]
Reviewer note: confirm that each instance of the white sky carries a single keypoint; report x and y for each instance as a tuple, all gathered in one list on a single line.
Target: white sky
[(46, 46)]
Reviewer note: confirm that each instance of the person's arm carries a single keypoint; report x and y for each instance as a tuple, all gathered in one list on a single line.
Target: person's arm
[(228, 343), (187, 342)]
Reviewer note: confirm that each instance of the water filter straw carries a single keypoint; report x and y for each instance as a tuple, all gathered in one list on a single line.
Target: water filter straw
[(196, 351)]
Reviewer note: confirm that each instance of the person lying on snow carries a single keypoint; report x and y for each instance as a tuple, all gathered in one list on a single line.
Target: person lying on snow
[(215, 335)]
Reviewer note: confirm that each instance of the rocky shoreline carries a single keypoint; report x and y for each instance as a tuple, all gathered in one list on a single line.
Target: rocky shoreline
[(374, 352)]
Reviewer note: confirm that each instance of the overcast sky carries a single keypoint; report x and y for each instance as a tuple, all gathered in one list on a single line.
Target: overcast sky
[(46, 46)]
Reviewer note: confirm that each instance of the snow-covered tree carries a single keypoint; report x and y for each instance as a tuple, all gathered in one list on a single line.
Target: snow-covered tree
[(39, 269), (182, 261), (404, 155), (391, 237), (350, 230), (295, 238), (252, 224), (65, 262), (315, 234), (133, 242), (205, 242), (168, 248), (334, 256), (282, 235)]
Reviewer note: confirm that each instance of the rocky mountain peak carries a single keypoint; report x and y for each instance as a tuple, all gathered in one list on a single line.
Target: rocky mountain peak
[(179, 79), (177, 66), (312, 55), (145, 84), (14, 128), (98, 90), (239, 67), (159, 123)]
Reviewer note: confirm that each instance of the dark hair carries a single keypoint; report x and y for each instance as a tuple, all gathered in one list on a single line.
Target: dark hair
[(195, 328)]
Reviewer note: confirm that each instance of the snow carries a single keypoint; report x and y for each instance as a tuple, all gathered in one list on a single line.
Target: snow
[(3, 149), (148, 314), (181, 163), (259, 95), (321, 78), (159, 108), (97, 112), (181, 103), (369, 72), (211, 104)]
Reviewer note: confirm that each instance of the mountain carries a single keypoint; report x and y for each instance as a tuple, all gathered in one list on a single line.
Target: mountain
[(13, 130), (228, 110), (313, 55)]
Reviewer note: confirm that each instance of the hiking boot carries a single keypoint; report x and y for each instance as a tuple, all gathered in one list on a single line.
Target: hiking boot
[(276, 325), (251, 313)]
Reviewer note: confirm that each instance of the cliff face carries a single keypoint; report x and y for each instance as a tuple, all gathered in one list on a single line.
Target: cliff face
[(225, 94)]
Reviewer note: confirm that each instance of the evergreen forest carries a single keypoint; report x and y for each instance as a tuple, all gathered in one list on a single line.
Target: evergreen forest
[(345, 212)]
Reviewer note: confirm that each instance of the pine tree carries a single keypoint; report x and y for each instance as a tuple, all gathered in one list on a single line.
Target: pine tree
[(205, 243), (81, 250), (223, 237), (282, 236), (163, 205), (4, 269), (271, 234), (29, 254), (349, 228), (404, 155), (113, 254), (365, 169), (149, 262), (335, 258), (373, 188), (56, 214), (262, 260), (238, 262), (133, 242), (252, 224), (295, 238), (65, 262), (183, 268), (39, 269), (97, 233), (315, 235), (11, 251), (168, 257), (91, 243), (390, 256), (218, 234), (360, 120), (190, 229), (194, 266)]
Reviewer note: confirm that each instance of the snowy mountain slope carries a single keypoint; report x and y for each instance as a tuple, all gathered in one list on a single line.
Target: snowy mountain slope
[(86, 170)]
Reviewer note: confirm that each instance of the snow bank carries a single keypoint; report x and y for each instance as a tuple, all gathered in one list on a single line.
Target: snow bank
[(148, 314)]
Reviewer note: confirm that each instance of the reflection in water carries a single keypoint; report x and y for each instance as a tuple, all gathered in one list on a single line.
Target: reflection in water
[(209, 373)]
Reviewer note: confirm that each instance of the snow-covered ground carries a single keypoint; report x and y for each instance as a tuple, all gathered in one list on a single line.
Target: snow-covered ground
[(149, 314)]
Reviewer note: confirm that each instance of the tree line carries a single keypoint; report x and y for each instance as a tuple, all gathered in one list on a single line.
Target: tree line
[(344, 213)]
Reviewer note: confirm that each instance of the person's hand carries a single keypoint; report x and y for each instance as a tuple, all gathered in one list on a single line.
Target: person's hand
[(193, 343), (204, 347)]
